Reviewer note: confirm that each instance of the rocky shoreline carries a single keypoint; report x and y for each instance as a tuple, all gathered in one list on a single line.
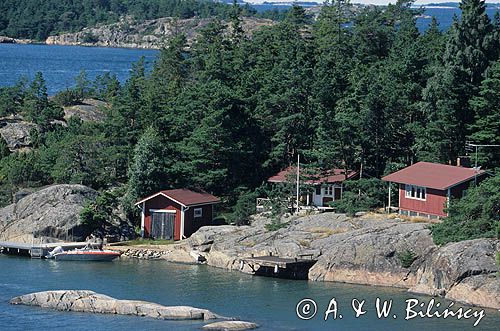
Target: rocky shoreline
[(130, 33), (365, 250), (92, 302)]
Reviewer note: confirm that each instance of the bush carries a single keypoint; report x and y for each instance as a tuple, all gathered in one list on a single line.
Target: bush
[(89, 38), (275, 225), (361, 195), (244, 208), (477, 215), (406, 258), (68, 98)]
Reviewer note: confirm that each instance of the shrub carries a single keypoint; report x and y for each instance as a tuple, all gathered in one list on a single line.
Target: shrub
[(68, 98), (275, 225), (361, 195), (244, 208), (406, 258), (477, 215), (89, 38)]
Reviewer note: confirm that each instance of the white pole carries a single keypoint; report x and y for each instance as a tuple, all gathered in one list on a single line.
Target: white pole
[(298, 174), (389, 207)]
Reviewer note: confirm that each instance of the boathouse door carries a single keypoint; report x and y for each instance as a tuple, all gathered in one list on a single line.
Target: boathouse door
[(162, 225)]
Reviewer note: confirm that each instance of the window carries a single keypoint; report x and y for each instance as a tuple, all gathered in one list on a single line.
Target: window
[(198, 212), (318, 190), (415, 192), (329, 190)]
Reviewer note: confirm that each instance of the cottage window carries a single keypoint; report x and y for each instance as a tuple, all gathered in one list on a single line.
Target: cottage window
[(318, 190), (329, 190), (415, 192), (198, 212)]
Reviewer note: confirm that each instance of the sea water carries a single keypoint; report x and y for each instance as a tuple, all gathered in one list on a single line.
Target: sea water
[(270, 302), (60, 65)]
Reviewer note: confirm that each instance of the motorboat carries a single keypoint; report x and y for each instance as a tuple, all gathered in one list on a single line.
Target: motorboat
[(85, 254)]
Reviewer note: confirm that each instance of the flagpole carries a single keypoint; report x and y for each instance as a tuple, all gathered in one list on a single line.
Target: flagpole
[(298, 174)]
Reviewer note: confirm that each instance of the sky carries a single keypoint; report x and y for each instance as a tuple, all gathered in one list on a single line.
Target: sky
[(375, 2)]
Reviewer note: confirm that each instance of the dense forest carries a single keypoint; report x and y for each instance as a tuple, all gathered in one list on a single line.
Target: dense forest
[(37, 19), (368, 93)]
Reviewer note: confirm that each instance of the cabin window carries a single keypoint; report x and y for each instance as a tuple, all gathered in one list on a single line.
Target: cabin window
[(198, 212), (415, 192), (329, 190)]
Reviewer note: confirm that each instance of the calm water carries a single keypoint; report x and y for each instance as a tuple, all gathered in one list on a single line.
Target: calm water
[(61, 64), (269, 302)]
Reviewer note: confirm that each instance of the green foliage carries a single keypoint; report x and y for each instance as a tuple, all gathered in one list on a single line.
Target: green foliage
[(37, 19), (89, 38), (477, 215), (275, 225), (67, 98), (244, 207), (361, 195), (147, 168), (97, 214), (406, 258), (355, 89)]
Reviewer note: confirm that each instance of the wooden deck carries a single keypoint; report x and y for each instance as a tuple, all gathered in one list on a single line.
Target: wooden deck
[(280, 267), (39, 250)]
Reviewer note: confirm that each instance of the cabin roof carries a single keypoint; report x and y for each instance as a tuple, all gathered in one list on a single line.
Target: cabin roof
[(312, 176), (185, 197), (433, 175)]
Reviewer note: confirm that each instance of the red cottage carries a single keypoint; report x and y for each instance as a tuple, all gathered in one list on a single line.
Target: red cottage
[(175, 214), (426, 188)]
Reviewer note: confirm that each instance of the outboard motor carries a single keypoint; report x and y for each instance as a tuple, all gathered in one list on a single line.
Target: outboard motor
[(56, 250)]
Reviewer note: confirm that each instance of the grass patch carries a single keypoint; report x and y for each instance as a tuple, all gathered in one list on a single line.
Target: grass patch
[(141, 241), (305, 243), (327, 232)]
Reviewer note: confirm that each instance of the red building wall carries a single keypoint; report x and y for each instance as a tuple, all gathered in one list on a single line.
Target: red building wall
[(434, 203), (163, 203), (192, 224)]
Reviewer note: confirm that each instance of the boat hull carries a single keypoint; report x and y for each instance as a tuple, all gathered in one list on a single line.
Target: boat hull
[(87, 256)]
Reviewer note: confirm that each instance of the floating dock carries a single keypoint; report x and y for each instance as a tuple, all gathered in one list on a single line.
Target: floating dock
[(40, 250), (279, 267)]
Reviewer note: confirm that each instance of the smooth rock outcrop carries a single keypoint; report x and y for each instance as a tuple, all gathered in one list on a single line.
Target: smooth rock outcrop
[(230, 326), (152, 34), (464, 271), (91, 302), (16, 132), (368, 249), (89, 111), (53, 211)]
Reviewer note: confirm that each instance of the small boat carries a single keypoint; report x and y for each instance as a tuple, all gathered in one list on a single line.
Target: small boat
[(84, 255)]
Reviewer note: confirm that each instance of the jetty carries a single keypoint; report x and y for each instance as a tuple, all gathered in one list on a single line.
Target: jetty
[(279, 267), (39, 250)]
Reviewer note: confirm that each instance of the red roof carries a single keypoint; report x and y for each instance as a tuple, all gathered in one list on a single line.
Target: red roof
[(433, 175), (313, 176), (185, 197)]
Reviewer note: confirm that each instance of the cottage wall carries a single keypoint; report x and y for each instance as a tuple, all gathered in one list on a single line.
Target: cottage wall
[(162, 203), (434, 203), (192, 224)]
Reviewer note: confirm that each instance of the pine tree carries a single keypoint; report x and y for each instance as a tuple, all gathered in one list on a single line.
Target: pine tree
[(486, 128), (147, 172)]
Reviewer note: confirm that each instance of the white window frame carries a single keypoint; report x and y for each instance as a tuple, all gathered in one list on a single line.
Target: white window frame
[(198, 212), (415, 192), (329, 190)]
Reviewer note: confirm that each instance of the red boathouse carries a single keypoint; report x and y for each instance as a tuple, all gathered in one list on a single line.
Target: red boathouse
[(425, 188), (175, 214)]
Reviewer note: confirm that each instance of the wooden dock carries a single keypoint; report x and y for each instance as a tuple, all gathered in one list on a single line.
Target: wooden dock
[(39, 250), (279, 267)]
